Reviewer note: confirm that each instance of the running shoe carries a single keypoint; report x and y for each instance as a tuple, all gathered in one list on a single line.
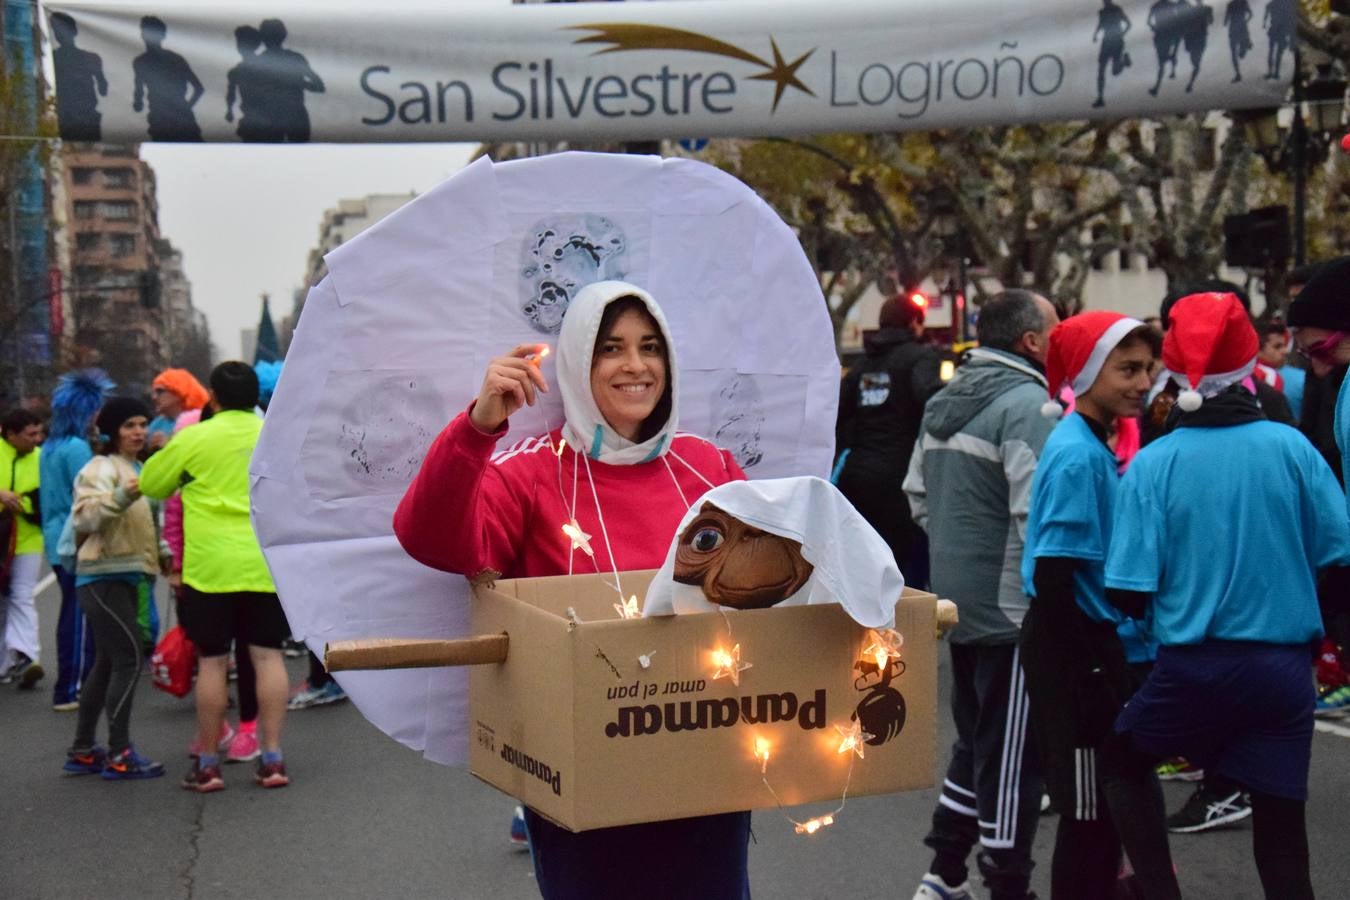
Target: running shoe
[(1332, 703), (25, 673), (1179, 769), (222, 745), (244, 746), (129, 764), (308, 697), (1208, 809), (520, 838), (203, 779), (66, 706), (271, 775), (933, 887), (86, 762)]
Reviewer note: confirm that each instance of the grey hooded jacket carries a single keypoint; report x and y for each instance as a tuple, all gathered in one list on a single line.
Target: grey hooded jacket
[(969, 487)]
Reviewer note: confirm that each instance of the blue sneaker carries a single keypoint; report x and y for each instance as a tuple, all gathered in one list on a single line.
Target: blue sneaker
[(85, 762), (129, 764), (520, 839)]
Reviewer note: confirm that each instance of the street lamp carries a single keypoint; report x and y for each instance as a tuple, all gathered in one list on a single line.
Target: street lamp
[(947, 226), (1304, 145)]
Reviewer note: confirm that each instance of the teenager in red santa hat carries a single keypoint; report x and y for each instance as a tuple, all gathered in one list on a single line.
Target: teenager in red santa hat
[(1220, 529), (1078, 679)]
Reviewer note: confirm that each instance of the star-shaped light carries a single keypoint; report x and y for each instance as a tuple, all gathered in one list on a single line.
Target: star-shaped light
[(628, 609), (783, 74), (853, 738), (729, 665), (580, 539), (811, 826), (885, 646)]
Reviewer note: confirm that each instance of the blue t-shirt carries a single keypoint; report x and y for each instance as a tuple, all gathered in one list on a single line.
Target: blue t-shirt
[(62, 459), (1072, 500), (1342, 429), (1226, 528), (1294, 380)]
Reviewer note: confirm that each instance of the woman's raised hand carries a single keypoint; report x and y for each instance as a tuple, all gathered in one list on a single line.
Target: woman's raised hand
[(509, 384)]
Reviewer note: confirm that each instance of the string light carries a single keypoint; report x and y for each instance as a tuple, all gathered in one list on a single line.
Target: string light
[(811, 826), (628, 609), (580, 539), (885, 645), (853, 738), (729, 665), (762, 754)]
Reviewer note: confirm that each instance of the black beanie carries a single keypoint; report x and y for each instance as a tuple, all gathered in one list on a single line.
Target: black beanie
[(114, 412), (1324, 301)]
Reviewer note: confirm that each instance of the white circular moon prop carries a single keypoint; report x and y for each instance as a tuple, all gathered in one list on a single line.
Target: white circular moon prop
[(393, 342)]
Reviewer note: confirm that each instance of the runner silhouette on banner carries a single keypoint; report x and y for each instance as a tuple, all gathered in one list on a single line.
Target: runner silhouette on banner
[(1112, 26), (166, 82), (282, 78), (1195, 21), (1235, 19), (1162, 18), (1281, 24), (79, 84), (245, 82)]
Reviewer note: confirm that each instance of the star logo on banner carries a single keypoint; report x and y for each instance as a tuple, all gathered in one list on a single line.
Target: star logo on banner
[(853, 738), (783, 74), (729, 665), (580, 539)]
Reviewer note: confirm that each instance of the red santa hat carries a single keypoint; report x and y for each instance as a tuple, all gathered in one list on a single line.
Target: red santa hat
[(1209, 347), (1079, 347)]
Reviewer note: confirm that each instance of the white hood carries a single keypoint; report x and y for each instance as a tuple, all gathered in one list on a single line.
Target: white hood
[(854, 567), (586, 429)]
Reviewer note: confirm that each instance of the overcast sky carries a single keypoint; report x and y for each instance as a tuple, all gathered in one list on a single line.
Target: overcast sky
[(246, 217)]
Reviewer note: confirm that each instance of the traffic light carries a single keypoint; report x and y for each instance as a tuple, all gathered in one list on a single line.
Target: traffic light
[(150, 288)]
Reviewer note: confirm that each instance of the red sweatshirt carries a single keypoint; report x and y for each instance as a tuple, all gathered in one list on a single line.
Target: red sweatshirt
[(466, 511)]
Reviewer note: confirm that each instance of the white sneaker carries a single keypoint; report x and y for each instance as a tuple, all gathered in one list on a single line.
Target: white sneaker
[(932, 887)]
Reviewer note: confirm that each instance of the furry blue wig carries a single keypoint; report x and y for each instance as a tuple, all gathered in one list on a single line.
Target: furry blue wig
[(78, 396), (268, 374)]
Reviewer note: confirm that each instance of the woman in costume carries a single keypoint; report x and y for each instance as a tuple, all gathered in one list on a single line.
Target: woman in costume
[(621, 482)]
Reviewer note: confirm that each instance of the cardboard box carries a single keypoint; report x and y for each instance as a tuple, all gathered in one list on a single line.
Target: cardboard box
[(574, 726)]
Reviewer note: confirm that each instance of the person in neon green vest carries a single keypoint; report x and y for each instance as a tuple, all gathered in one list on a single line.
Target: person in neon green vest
[(20, 435), (228, 591)]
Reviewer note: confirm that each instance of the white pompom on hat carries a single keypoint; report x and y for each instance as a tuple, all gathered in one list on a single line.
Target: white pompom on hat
[(1079, 347), (1210, 346)]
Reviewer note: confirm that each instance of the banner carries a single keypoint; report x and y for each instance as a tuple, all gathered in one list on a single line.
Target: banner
[(426, 70)]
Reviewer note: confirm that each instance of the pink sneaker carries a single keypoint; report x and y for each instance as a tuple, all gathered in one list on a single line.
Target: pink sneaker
[(244, 746), (226, 735)]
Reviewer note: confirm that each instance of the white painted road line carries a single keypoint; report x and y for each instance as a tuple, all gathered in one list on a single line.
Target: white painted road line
[(1328, 728)]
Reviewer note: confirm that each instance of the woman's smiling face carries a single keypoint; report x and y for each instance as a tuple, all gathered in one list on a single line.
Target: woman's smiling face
[(628, 372)]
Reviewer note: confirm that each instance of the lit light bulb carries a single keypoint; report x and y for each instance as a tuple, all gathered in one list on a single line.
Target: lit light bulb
[(811, 826), (729, 665), (853, 738), (628, 609), (762, 754), (580, 539)]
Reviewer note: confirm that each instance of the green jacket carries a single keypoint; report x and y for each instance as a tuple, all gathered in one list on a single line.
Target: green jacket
[(20, 475), (209, 462)]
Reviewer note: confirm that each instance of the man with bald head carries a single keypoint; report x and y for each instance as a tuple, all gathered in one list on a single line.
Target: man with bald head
[(969, 488)]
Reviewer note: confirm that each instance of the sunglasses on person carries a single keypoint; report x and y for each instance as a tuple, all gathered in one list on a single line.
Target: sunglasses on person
[(1325, 349)]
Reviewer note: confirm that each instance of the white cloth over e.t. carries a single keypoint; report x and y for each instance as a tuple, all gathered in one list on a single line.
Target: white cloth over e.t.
[(853, 566), (393, 343)]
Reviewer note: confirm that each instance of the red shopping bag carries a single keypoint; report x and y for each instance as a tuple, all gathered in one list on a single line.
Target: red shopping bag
[(173, 662)]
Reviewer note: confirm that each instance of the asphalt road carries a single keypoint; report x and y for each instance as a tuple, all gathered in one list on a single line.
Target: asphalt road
[(365, 817)]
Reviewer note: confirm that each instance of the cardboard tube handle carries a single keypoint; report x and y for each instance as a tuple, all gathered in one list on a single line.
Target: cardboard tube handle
[(947, 616), (414, 653)]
